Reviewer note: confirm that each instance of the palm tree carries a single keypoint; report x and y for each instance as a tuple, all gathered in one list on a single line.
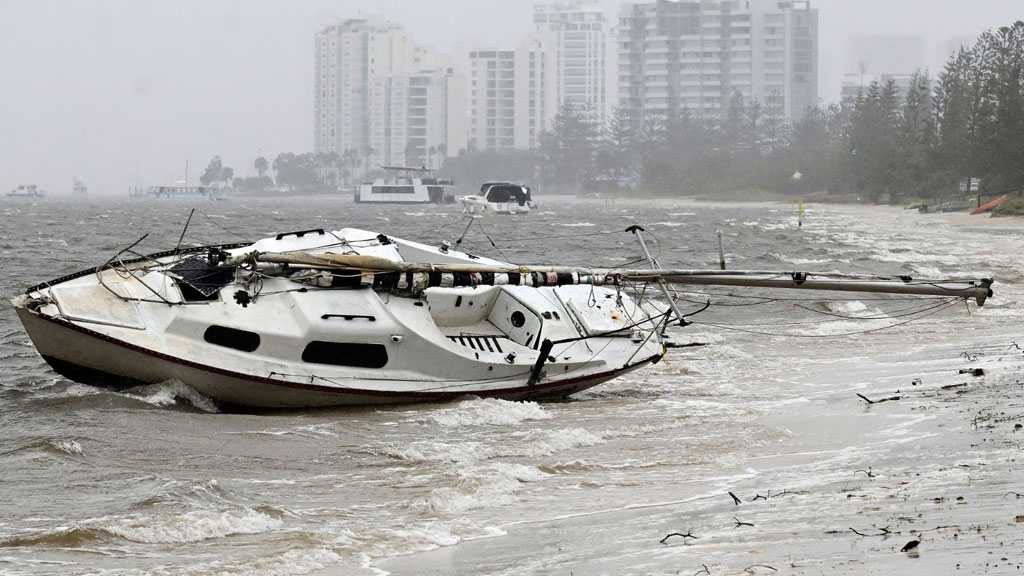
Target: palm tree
[(261, 165)]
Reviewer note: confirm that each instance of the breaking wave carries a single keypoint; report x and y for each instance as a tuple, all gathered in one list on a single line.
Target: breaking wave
[(490, 485), (529, 444), (172, 393), (488, 411), (53, 446), (188, 527)]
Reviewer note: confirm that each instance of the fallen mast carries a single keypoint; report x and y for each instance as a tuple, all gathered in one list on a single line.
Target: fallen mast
[(387, 274)]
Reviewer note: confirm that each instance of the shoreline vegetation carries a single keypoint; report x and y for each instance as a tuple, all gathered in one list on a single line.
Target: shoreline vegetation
[(938, 140)]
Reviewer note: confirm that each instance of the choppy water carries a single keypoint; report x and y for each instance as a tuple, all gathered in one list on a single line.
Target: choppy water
[(154, 481)]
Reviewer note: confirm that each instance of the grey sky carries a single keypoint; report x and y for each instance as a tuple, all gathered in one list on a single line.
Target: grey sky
[(114, 90)]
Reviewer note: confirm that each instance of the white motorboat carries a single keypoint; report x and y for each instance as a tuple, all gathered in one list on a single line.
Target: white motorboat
[(499, 198), (407, 186), (318, 318)]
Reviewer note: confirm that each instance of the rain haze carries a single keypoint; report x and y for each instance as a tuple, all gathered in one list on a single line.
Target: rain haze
[(515, 288), (120, 92)]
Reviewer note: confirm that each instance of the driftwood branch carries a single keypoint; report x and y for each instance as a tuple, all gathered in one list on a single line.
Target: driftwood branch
[(869, 472), (735, 499), (750, 569), (882, 532), (880, 400), (739, 523), (680, 534), (703, 570)]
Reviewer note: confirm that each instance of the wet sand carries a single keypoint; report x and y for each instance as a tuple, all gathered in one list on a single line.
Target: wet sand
[(941, 465)]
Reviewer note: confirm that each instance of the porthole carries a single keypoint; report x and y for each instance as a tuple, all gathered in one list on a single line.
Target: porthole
[(346, 354), (518, 319), (232, 338)]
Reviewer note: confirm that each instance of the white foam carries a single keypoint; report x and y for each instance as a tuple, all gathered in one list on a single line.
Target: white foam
[(803, 261), (294, 562), (194, 526), (491, 485), (168, 393), (580, 225), (488, 411), (535, 443), (845, 306), (67, 446), (669, 224)]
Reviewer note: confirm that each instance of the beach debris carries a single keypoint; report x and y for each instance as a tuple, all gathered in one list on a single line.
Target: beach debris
[(971, 356), (912, 545), (882, 532), (976, 372), (954, 386), (703, 570), (869, 472), (880, 400), (752, 569), (680, 534), (740, 523), (1019, 518), (916, 382), (735, 499)]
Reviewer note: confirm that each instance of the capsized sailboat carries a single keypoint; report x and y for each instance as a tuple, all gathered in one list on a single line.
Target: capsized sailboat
[(328, 318)]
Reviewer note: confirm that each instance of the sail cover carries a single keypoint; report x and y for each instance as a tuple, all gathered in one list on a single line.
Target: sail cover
[(199, 280)]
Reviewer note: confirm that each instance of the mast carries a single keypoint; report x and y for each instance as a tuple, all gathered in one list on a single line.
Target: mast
[(414, 275)]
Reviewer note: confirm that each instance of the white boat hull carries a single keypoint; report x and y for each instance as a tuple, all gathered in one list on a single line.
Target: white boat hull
[(92, 357)]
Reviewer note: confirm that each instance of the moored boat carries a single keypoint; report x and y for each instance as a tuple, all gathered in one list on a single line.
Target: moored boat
[(499, 198), (27, 191), (406, 186)]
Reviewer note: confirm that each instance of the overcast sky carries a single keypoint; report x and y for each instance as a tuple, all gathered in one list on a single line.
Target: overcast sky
[(118, 90)]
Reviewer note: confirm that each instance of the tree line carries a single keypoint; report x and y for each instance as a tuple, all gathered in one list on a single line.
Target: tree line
[(886, 143)]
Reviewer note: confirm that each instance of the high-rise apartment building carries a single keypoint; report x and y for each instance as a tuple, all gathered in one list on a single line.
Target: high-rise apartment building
[(383, 99), (697, 54), (509, 96), (575, 36)]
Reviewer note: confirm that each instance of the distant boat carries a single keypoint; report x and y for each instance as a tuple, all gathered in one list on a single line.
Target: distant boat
[(26, 191), (499, 198), (79, 188), (408, 186), (185, 192)]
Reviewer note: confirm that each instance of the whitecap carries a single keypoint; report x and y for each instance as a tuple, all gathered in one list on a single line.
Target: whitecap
[(168, 393), (478, 487), (488, 411), (194, 526), (579, 225), (67, 446)]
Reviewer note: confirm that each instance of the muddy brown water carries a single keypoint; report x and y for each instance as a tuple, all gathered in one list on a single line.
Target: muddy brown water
[(155, 481)]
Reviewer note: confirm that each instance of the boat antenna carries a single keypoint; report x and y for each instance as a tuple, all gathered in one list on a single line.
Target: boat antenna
[(183, 230)]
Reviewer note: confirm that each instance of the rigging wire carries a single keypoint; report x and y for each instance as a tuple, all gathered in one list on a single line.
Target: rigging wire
[(934, 310)]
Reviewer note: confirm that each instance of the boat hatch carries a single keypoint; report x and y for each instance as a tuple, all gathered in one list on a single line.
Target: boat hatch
[(198, 280)]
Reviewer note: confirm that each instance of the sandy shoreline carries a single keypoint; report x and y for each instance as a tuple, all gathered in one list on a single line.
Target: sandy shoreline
[(941, 467)]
